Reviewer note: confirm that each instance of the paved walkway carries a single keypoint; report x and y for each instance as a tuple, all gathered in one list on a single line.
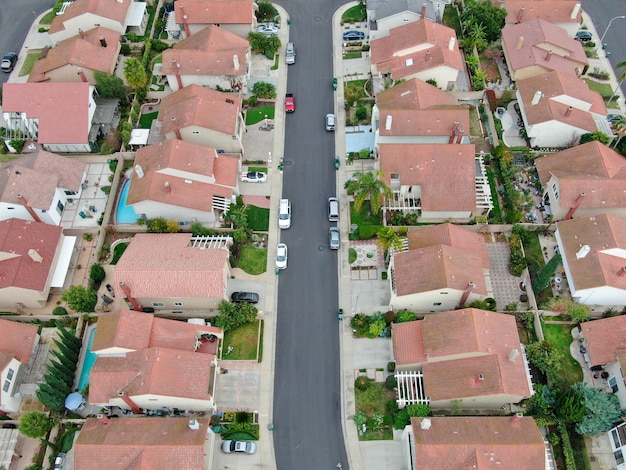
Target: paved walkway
[(505, 286)]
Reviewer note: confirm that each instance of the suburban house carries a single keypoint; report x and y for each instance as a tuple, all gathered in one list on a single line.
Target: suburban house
[(171, 443), (147, 363), (213, 57), (190, 16), (476, 442), (605, 341), (445, 267), (414, 172), (415, 112), (383, 15), (38, 186), (59, 116), (78, 58), (204, 116), (467, 359), (535, 47), (566, 14), (558, 108), (172, 271), (34, 258), (122, 16), (421, 49), (617, 438), (594, 259), (18, 345), (182, 181), (584, 180)]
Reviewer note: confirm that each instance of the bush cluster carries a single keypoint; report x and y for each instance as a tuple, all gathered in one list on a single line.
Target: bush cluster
[(517, 262)]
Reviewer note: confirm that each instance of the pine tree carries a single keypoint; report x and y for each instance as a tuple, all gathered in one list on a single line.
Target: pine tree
[(51, 401), (71, 365), (70, 340), (59, 383), (58, 369), (67, 352)]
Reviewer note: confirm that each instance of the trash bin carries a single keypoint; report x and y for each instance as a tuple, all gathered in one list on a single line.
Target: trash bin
[(608, 54)]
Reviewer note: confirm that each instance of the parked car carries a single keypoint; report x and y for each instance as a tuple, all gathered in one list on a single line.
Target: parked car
[(9, 426), (333, 209), (330, 122), (583, 36), (353, 35), (253, 177), (290, 103), (290, 54), (284, 214), (281, 256), (244, 447), (250, 297), (333, 238), (8, 62), (268, 29), (58, 462), (110, 290)]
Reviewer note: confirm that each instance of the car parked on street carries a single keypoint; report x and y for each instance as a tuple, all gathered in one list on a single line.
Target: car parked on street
[(583, 36), (333, 209), (243, 447), (353, 35), (253, 177), (284, 214), (281, 256), (333, 238), (290, 54), (330, 122), (249, 297), (8, 62), (268, 29), (290, 103)]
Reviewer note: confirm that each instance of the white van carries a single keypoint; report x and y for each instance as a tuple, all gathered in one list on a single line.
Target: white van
[(284, 213), (290, 54), (333, 209)]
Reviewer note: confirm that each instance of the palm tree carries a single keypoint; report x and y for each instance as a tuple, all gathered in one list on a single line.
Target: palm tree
[(368, 186), (620, 78), (619, 129), (389, 241), (135, 74)]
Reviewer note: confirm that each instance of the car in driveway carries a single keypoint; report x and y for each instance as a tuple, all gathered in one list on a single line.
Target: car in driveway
[(583, 36), (353, 35), (281, 256), (58, 462), (253, 177), (268, 29), (249, 297), (333, 238), (8, 62), (614, 118), (239, 447), (290, 103)]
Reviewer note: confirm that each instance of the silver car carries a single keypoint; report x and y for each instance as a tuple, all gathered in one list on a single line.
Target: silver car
[(333, 238), (281, 256), (238, 447), (268, 29)]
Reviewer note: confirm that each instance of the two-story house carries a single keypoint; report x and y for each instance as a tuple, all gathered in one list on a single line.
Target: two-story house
[(383, 15), (190, 16), (566, 14)]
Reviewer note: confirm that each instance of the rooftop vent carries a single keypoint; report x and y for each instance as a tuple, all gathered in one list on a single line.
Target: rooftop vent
[(584, 251), (388, 122), (426, 423), (35, 256), (193, 424), (139, 171)]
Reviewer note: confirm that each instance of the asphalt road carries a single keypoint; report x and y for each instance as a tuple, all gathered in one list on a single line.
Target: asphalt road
[(307, 409), (16, 18), (615, 39)]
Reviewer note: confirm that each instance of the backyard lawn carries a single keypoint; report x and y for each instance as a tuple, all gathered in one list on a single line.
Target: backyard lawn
[(243, 342), (145, 121), (560, 337)]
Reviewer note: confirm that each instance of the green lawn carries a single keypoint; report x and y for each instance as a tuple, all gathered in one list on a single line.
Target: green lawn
[(368, 224), (352, 55), (355, 14), (374, 401), (560, 337), (145, 121), (258, 114), (603, 88), (244, 341), (451, 19), (258, 218), (252, 260), (48, 17), (118, 251), (31, 58)]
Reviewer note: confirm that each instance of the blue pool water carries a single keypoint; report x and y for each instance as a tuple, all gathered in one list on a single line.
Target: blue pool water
[(125, 214), (90, 358)]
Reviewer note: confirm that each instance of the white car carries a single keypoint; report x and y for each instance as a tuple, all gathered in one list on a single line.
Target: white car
[(253, 177), (238, 447), (281, 256), (268, 29)]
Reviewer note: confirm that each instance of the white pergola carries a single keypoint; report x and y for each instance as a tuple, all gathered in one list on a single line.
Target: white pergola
[(410, 388), (204, 242)]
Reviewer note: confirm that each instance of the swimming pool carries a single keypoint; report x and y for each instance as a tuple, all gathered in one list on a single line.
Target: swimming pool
[(90, 358), (125, 214)]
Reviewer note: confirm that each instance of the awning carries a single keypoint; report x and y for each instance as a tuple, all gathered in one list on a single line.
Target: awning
[(135, 16), (60, 273), (139, 137)]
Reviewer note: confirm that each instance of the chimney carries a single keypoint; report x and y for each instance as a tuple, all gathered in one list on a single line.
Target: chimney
[(103, 42), (451, 43), (548, 55), (136, 305), (584, 251), (481, 377), (35, 256), (81, 33), (577, 202), (536, 97), (423, 11), (29, 209), (516, 417), (520, 43), (568, 111), (236, 61), (426, 423), (455, 132), (83, 77), (575, 11), (185, 22), (168, 188), (513, 355), (388, 122), (427, 56), (103, 419), (468, 290), (520, 13), (622, 271), (139, 171), (193, 424)]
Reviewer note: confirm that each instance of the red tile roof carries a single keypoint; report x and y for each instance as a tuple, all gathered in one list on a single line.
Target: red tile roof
[(195, 105), (37, 177), (140, 444), (591, 168), (164, 266), (553, 11), (193, 173), (539, 43), (414, 94), (18, 339), (63, 109), (478, 442), (427, 122), (114, 10), (604, 339), (215, 11), (414, 47), (86, 53), (446, 173), (604, 234), (20, 269), (210, 51)]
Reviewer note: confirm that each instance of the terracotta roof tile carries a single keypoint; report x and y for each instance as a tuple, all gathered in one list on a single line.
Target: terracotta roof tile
[(114, 10), (163, 266), (210, 51), (479, 443), (125, 329), (20, 270), (140, 444), (408, 342), (413, 94), (195, 105), (174, 164), (18, 339), (215, 11), (604, 339), (425, 165), (87, 53), (62, 109), (427, 122), (552, 11)]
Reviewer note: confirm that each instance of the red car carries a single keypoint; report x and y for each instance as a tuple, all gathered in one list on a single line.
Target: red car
[(290, 104)]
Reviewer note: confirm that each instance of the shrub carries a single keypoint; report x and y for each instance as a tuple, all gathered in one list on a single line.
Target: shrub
[(97, 273), (390, 317), (264, 90), (405, 315), (243, 417), (517, 261), (59, 311), (362, 383), (360, 323), (391, 366), (391, 382)]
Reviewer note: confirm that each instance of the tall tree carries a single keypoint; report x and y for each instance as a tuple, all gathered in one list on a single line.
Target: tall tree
[(368, 186), (110, 86), (135, 74), (485, 13), (36, 424), (388, 239), (602, 410), (80, 298)]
